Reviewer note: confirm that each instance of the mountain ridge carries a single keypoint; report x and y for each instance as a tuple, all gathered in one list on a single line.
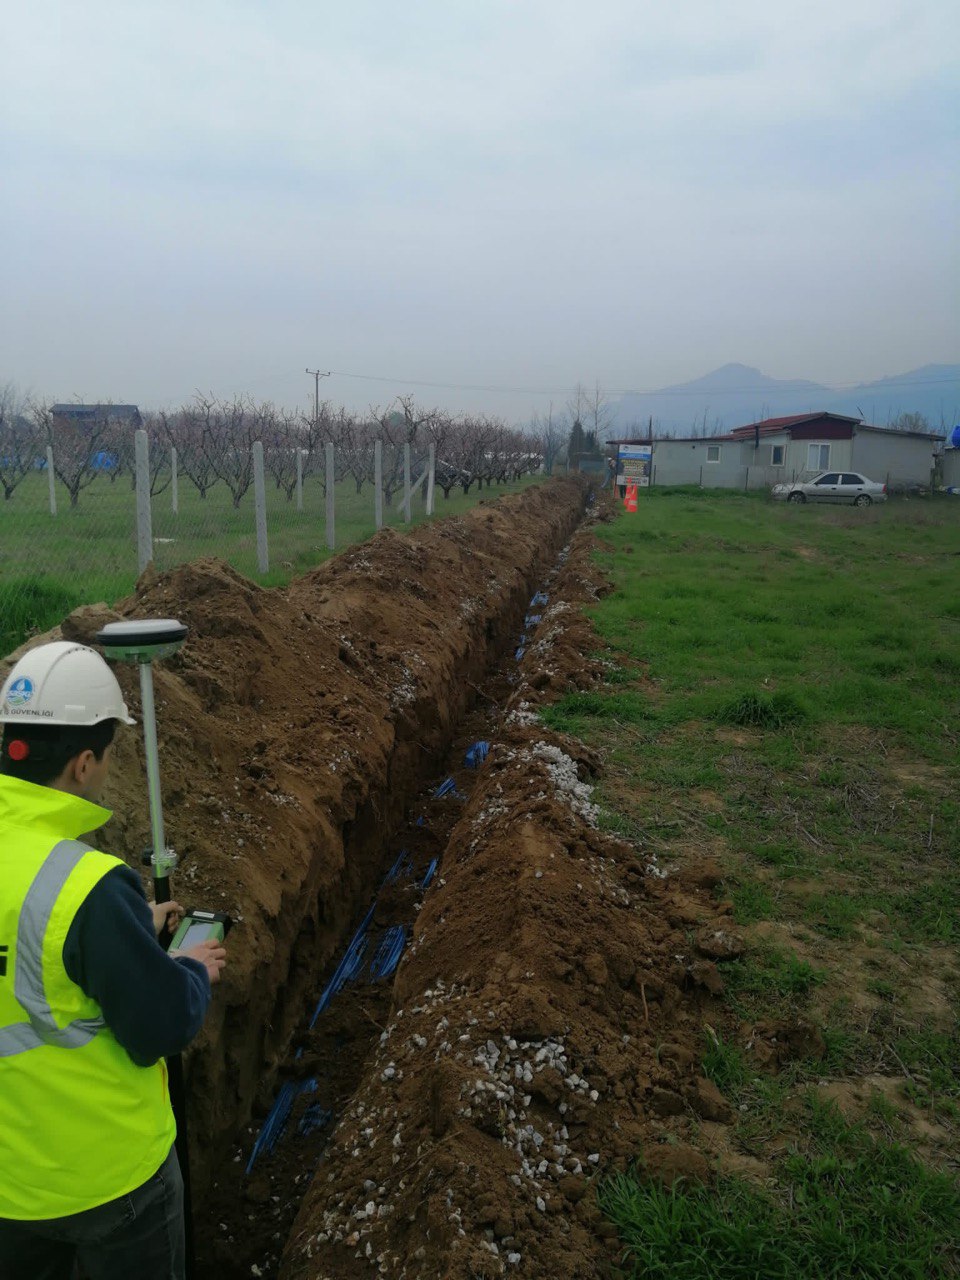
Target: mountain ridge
[(736, 394)]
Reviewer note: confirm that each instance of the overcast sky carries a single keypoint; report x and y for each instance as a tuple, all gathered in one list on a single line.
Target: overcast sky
[(506, 194)]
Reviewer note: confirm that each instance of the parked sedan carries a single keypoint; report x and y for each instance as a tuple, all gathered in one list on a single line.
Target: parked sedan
[(833, 486)]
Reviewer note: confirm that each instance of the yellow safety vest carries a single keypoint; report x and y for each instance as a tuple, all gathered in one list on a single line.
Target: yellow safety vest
[(80, 1122)]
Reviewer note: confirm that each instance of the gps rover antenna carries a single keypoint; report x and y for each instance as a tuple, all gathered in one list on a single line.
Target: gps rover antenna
[(143, 642)]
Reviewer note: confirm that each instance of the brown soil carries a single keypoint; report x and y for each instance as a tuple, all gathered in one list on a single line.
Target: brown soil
[(546, 1021), (545, 1028)]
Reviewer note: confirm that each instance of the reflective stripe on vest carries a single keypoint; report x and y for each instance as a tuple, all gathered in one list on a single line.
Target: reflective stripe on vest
[(28, 985)]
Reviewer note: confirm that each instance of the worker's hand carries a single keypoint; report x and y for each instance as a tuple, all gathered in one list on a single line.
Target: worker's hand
[(167, 914), (212, 953)]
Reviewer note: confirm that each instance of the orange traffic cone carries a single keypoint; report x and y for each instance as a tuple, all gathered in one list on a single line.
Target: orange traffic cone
[(630, 502)]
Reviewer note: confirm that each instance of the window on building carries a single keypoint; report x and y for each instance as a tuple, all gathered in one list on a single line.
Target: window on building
[(713, 453), (776, 455), (818, 457)]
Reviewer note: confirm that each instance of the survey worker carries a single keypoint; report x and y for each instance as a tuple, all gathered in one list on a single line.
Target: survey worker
[(90, 1003)]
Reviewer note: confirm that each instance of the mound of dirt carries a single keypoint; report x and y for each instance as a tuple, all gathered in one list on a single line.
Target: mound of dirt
[(546, 1026), (295, 725)]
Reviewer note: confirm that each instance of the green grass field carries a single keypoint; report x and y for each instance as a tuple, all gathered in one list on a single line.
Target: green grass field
[(49, 565), (783, 696)]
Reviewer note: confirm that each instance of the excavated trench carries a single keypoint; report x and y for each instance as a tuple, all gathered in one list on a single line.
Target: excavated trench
[(542, 1023), (254, 1199)]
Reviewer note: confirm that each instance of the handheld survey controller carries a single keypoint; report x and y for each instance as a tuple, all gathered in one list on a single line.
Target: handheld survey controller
[(200, 926)]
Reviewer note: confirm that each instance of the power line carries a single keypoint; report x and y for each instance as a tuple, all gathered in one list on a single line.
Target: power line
[(628, 391), (453, 386), (316, 374)]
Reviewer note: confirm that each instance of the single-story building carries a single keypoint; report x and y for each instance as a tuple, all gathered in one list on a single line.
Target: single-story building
[(765, 453), (126, 415)]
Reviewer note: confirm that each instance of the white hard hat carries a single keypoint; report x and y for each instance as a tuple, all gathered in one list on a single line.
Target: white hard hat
[(62, 683)]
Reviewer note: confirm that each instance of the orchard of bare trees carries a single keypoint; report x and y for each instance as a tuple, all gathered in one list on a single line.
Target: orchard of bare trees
[(212, 442)]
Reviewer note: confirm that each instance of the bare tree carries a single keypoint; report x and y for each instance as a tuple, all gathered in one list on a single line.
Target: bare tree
[(231, 432), (357, 441), (20, 440), (478, 450), (598, 415), (437, 430), (398, 426), (340, 427), (470, 445), (516, 458), (161, 473), (316, 431), (185, 431), (123, 446), (76, 444), (494, 468), (414, 418), (911, 422), (706, 430), (649, 431), (493, 462), (282, 436), (448, 472), (441, 431), (392, 458), (548, 433), (578, 409), (578, 405)]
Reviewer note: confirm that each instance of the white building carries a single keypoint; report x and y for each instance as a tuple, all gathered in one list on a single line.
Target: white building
[(780, 449)]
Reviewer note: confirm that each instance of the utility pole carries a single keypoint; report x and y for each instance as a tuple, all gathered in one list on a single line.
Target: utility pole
[(316, 375)]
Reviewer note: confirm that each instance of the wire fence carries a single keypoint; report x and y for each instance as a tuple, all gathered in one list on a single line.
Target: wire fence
[(270, 513)]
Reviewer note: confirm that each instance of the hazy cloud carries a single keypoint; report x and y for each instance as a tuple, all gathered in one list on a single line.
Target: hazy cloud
[(514, 193)]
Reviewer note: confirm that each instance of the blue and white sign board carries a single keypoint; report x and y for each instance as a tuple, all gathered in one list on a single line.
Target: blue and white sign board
[(634, 462)]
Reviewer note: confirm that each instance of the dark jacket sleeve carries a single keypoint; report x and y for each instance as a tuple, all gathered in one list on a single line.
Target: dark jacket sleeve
[(152, 1004)]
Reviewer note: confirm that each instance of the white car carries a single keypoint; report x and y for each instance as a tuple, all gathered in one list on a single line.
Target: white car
[(833, 486)]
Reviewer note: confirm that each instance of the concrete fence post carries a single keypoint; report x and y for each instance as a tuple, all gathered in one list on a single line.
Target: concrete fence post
[(174, 491), (421, 480), (378, 482), (299, 479), (406, 484), (260, 502), (144, 517), (52, 481), (431, 479), (330, 480), (701, 477)]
